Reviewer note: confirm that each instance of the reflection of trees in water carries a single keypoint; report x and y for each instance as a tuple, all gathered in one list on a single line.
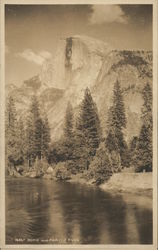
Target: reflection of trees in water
[(17, 218), (138, 218), (79, 207), (113, 211), (144, 225), (16, 225), (29, 200), (43, 209), (37, 207), (94, 211)]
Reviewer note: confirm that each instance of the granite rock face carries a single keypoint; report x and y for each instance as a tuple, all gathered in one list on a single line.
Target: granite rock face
[(82, 62)]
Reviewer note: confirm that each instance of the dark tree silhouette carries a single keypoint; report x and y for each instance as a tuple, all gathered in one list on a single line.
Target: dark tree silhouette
[(88, 131)]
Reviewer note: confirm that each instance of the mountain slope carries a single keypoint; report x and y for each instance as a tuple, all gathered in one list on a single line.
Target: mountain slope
[(86, 62)]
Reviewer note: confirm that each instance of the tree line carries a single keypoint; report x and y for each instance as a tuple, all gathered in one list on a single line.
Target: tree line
[(27, 139), (82, 148)]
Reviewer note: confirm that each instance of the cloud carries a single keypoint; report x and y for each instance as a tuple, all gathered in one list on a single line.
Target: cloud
[(37, 58), (107, 14)]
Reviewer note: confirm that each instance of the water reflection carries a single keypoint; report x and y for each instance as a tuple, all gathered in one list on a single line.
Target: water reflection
[(64, 213)]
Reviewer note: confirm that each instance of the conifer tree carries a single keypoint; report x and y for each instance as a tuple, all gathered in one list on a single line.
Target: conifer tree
[(88, 131), (147, 105), (12, 150), (116, 123), (30, 154), (38, 137), (68, 140), (21, 139), (68, 126), (132, 149), (118, 110), (46, 138), (37, 133), (34, 132), (143, 152), (100, 167)]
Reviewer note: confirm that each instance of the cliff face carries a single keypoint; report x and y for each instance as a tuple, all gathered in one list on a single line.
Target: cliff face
[(82, 62), (133, 69)]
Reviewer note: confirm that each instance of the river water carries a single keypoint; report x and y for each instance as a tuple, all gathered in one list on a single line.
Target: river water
[(47, 212)]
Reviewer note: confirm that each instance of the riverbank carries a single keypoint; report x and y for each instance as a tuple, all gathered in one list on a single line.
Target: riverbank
[(122, 182), (129, 182), (118, 182)]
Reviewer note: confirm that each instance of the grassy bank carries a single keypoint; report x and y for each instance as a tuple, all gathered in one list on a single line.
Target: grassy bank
[(130, 182), (118, 182), (122, 182)]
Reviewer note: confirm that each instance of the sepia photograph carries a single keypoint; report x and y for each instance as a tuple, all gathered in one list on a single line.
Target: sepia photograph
[(79, 124)]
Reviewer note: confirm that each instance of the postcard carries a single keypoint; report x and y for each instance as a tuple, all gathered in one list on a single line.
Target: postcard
[(78, 124)]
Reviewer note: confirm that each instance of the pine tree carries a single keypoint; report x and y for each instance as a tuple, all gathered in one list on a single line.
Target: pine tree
[(68, 140), (68, 126), (37, 134), (38, 137), (100, 168), (132, 149), (34, 132), (30, 152), (147, 105), (10, 132), (116, 123), (21, 139), (143, 153), (88, 131), (118, 110), (46, 138)]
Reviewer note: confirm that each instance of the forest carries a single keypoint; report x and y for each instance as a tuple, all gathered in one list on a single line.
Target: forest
[(82, 149)]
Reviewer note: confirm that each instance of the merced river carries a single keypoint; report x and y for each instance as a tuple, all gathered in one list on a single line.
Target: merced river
[(42, 211)]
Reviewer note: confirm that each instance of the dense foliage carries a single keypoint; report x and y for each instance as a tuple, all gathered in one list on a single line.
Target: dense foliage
[(115, 141), (81, 149), (68, 138), (37, 134), (142, 152), (100, 168), (12, 135), (26, 142), (87, 132)]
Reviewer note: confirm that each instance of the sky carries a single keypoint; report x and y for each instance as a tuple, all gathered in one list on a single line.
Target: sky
[(32, 32)]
